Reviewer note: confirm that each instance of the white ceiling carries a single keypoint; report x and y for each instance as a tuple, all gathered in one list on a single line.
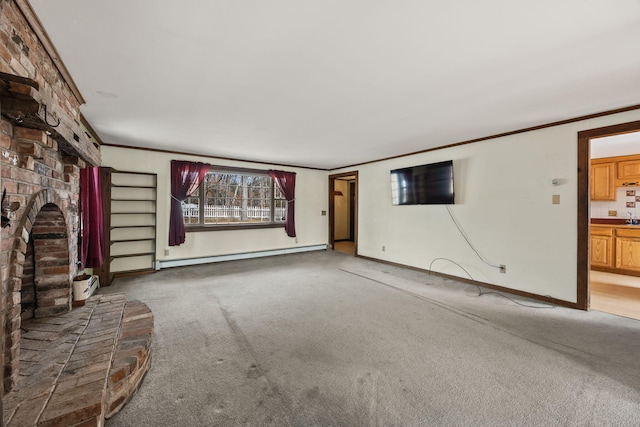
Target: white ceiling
[(330, 83)]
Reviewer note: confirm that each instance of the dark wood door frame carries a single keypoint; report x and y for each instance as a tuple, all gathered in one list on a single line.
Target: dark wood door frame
[(584, 162), (332, 179), (353, 194)]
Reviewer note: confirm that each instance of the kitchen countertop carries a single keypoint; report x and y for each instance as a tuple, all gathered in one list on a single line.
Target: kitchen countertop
[(609, 221), (615, 225)]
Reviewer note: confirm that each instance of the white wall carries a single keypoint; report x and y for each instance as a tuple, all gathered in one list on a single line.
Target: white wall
[(503, 202), (311, 200)]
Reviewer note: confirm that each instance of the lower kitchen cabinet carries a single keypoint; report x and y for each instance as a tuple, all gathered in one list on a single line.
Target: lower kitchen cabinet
[(628, 249), (602, 250)]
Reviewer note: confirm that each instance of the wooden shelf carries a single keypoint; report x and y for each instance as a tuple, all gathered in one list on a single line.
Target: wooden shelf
[(128, 205), (133, 186), (132, 240), (133, 213), (133, 272), (131, 255), (115, 227)]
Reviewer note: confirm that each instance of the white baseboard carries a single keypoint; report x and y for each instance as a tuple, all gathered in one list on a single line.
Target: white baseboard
[(232, 257)]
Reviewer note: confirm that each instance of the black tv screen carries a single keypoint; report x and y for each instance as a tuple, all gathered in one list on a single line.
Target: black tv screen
[(430, 184)]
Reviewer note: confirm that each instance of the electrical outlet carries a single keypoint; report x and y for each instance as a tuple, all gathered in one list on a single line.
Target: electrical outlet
[(383, 248), (296, 240), (503, 269), (613, 213), (323, 213), (555, 199), (166, 252)]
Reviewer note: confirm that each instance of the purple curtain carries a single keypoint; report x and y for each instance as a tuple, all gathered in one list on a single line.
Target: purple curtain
[(185, 179), (92, 238), (287, 183)]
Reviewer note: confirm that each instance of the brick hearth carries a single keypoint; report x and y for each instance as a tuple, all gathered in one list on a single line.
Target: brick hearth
[(81, 367)]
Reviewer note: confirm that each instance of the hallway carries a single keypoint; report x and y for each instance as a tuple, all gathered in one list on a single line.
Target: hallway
[(346, 247)]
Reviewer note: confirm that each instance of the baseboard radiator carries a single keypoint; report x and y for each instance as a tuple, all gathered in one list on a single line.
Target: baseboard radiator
[(160, 264)]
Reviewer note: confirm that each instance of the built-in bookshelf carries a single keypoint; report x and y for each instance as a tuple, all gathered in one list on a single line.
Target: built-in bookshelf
[(129, 201)]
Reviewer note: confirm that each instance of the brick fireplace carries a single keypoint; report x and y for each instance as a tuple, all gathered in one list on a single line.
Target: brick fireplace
[(44, 142)]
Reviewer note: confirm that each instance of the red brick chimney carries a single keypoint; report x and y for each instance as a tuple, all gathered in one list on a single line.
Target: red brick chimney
[(44, 143)]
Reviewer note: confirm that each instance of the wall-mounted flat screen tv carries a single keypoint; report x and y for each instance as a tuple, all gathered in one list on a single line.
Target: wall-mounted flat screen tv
[(430, 184)]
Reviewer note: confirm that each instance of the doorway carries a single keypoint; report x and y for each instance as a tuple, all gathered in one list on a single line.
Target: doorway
[(343, 212), (602, 285)]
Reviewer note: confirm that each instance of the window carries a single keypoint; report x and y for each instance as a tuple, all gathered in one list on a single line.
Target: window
[(238, 198)]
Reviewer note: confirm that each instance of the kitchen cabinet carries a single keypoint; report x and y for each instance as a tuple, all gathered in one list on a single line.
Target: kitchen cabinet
[(611, 172), (603, 185), (628, 249), (615, 249), (602, 247), (628, 172)]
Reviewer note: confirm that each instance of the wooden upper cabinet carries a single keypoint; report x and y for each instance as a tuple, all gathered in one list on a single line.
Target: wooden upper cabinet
[(628, 172), (611, 172), (603, 186)]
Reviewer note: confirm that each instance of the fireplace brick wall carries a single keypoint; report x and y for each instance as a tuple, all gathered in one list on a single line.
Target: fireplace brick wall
[(48, 192), (40, 169)]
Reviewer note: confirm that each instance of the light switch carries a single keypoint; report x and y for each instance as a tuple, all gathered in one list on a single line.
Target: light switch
[(555, 199)]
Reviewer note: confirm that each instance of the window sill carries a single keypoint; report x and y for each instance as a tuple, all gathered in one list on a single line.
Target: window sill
[(198, 228)]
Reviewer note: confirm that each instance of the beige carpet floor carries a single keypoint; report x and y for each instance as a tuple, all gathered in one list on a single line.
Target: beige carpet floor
[(326, 339)]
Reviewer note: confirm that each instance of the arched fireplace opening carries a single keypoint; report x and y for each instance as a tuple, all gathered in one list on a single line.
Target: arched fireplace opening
[(51, 270), (40, 274)]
